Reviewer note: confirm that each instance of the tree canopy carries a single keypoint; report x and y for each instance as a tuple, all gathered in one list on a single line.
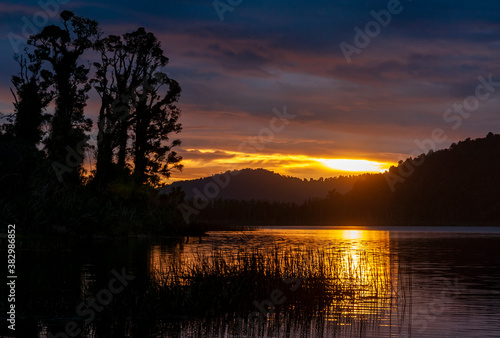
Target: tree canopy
[(138, 112), (44, 183)]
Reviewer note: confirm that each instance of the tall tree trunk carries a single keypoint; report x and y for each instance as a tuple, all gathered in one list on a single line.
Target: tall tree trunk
[(122, 143), (140, 161), (104, 149)]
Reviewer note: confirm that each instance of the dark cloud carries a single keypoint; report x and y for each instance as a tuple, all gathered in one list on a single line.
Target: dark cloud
[(267, 54), (197, 155)]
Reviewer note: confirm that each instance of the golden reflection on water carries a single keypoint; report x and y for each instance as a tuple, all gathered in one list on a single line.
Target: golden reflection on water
[(352, 234), (365, 261), (360, 260), (362, 257), (163, 260)]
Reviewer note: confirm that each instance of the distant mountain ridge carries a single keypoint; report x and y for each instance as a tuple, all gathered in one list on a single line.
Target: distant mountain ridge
[(449, 187), (262, 184)]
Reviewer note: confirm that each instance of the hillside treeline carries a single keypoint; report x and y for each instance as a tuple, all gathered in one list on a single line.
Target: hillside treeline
[(455, 186)]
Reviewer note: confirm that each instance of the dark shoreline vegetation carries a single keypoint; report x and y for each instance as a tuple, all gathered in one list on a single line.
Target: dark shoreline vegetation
[(44, 188)]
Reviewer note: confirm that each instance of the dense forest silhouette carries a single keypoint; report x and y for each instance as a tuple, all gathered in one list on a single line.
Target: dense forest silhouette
[(455, 186), (43, 183)]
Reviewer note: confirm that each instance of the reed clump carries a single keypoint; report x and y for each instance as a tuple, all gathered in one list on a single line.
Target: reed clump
[(310, 280)]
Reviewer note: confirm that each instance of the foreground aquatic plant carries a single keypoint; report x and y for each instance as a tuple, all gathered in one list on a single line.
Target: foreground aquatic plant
[(253, 292), (310, 280)]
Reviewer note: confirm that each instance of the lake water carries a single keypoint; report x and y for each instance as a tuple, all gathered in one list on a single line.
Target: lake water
[(416, 282)]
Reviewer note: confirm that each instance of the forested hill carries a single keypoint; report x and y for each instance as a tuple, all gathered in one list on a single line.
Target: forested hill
[(455, 186), (458, 185), (261, 184), (461, 183)]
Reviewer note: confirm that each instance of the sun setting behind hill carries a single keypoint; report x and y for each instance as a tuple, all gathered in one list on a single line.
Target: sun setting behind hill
[(350, 165), (205, 162)]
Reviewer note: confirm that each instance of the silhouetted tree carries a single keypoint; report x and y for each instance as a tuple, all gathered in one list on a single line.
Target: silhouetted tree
[(136, 119), (137, 105), (105, 85), (31, 98), (155, 119), (61, 48)]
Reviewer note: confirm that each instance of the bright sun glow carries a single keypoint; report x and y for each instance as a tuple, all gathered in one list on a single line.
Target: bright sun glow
[(354, 165), (352, 234), (209, 161)]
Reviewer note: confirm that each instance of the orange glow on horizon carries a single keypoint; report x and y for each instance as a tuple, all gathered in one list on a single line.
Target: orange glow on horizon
[(199, 163), (354, 165)]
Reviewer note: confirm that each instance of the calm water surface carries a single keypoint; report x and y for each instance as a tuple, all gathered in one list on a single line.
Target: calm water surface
[(435, 282)]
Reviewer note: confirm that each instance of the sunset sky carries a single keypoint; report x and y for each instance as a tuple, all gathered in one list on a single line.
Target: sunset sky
[(275, 69)]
